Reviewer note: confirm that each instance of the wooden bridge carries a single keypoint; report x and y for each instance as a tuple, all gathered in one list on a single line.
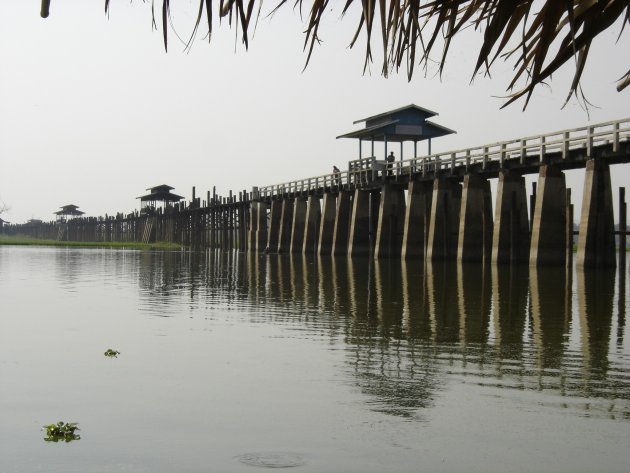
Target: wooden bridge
[(364, 209), (436, 207)]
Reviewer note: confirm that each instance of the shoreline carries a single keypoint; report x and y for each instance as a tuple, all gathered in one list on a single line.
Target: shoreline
[(27, 241)]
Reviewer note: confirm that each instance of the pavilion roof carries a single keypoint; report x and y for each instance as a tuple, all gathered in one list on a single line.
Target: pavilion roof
[(69, 210), (161, 193), (407, 123)]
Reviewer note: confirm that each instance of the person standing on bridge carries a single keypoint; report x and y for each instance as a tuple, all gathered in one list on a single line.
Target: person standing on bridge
[(336, 172), (390, 163)]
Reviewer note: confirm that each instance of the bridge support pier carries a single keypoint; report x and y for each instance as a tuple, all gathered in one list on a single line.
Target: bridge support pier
[(359, 239), (258, 227), (549, 232), (274, 226), (510, 237), (475, 224), (286, 224), (327, 224), (341, 228), (444, 226), (311, 224), (298, 224), (417, 216), (391, 219), (596, 240)]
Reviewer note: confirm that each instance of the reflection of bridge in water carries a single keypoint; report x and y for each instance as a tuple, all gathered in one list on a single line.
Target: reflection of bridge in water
[(407, 332)]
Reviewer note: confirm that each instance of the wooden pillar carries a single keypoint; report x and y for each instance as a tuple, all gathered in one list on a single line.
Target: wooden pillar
[(273, 237), (444, 226), (311, 224), (596, 240), (342, 224), (548, 240), (475, 222), (297, 227), (359, 238), (510, 236), (417, 217), (391, 219), (622, 228), (327, 224), (286, 225)]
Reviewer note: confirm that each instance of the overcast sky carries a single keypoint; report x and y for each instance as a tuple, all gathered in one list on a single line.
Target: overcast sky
[(93, 111)]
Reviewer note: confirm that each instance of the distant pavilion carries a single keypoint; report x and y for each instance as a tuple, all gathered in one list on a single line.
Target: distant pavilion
[(158, 195), (68, 211), (409, 123)]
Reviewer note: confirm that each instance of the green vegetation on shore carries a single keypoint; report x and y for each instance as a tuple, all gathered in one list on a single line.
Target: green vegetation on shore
[(23, 240)]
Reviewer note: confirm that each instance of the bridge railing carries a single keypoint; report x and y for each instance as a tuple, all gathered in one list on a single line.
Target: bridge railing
[(562, 142), (365, 170), (334, 182)]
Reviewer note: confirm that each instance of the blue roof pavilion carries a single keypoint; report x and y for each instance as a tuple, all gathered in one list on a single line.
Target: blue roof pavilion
[(409, 123)]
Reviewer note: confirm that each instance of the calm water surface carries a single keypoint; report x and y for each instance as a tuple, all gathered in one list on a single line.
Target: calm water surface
[(235, 363)]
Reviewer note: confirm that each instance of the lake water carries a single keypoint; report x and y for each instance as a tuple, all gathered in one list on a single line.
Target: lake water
[(233, 362)]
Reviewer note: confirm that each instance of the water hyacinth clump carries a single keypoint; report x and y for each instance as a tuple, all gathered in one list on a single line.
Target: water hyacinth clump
[(61, 431), (111, 353)]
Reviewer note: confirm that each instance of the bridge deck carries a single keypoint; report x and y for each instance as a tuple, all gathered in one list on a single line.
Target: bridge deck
[(567, 149)]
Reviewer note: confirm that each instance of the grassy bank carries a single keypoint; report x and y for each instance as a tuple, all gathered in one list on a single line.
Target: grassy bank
[(22, 240)]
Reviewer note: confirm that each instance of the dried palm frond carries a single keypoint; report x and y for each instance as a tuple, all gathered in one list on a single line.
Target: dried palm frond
[(542, 41)]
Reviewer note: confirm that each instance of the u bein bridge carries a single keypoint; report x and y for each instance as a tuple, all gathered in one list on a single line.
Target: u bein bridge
[(435, 207)]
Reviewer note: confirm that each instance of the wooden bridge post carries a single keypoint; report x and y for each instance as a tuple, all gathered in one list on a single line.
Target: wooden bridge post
[(444, 226), (548, 240), (596, 240), (311, 224), (274, 226), (297, 227), (510, 236), (417, 217), (475, 223), (391, 219), (359, 238), (286, 226), (622, 228), (327, 225), (342, 224), (258, 227)]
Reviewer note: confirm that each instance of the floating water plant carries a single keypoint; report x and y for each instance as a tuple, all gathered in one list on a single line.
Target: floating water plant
[(111, 353), (61, 431)]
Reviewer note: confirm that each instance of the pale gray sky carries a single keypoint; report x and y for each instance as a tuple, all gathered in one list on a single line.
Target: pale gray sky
[(92, 110)]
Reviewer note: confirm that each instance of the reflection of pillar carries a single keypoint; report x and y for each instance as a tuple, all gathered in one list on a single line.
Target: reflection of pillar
[(311, 224), (596, 291), (473, 296), (417, 215), (548, 243), (342, 223), (360, 291), (475, 223), (327, 224), (414, 313), (444, 226), (388, 289), (391, 216), (359, 239), (596, 240), (548, 309), (274, 226), (510, 237), (441, 292), (286, 226), (509, 306), (297, 227)]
